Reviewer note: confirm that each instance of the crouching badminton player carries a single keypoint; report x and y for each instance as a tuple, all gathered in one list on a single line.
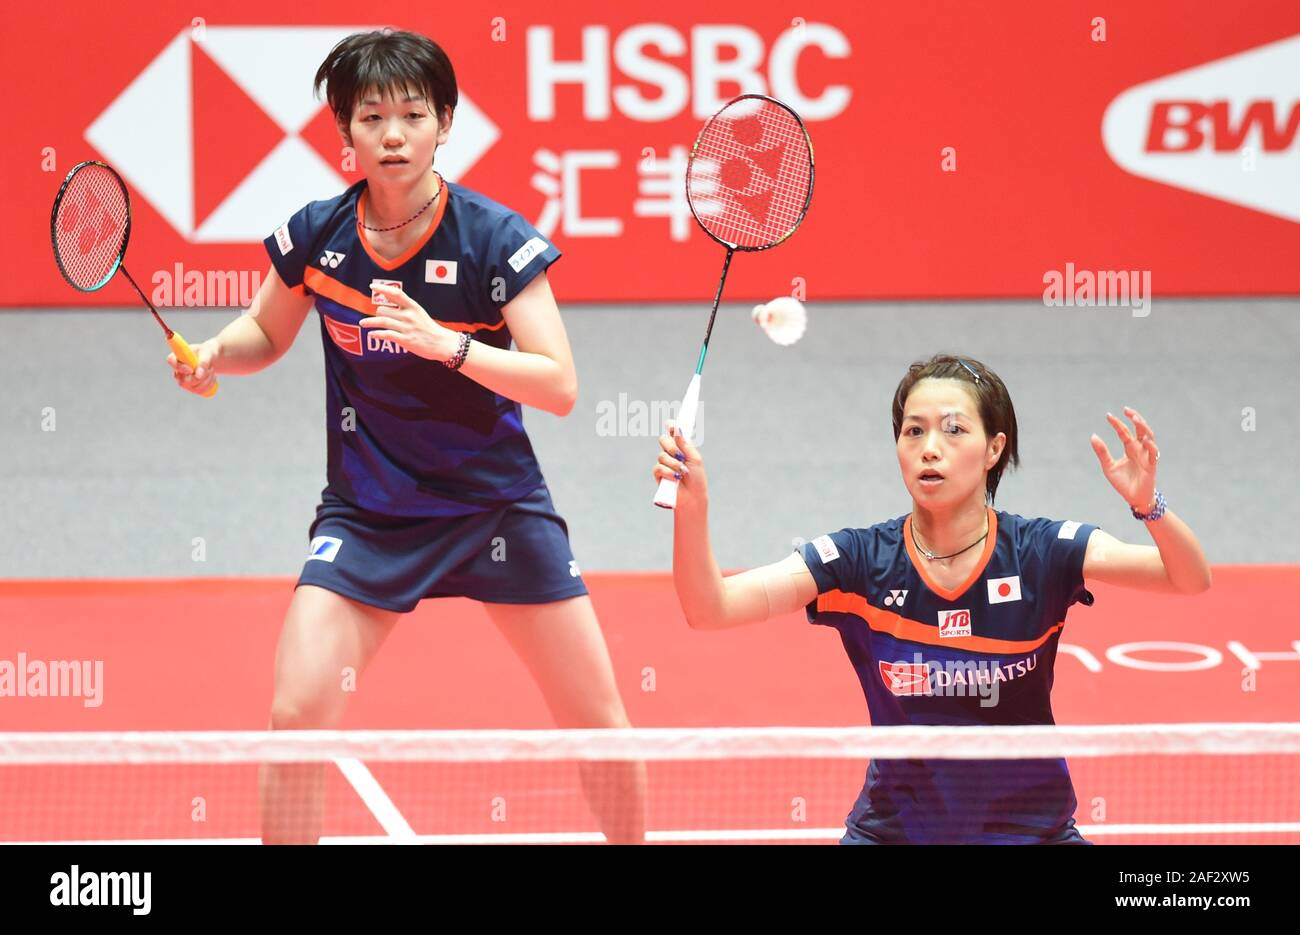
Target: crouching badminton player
[(951, 613), (433, 487)]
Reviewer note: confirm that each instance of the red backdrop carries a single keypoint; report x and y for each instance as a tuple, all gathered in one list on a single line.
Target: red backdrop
[(214, 126)]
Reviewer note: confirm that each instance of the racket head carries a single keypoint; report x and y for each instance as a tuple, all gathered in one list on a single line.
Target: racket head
[(749, 180), (90, 225)]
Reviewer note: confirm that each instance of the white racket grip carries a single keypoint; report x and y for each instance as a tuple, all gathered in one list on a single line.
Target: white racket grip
[(666, 495)]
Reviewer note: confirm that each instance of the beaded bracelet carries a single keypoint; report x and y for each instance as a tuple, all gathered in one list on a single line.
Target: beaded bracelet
[(1155, 514), (458, 358)]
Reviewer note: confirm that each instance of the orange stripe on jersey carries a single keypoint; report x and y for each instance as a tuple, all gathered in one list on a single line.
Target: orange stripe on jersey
[(385, 263), (331, 288), (899, 627)]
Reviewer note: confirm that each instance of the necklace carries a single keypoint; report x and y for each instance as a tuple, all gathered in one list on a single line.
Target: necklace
[(932, 557), (380, 230)]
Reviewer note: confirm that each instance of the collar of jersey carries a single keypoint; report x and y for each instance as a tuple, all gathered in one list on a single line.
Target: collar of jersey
[(951, 595), (383, 262)]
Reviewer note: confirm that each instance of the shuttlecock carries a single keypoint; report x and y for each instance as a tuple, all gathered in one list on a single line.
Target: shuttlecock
[(783, 319)]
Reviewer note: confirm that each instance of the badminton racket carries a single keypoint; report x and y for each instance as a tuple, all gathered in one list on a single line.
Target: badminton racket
[(90, 225), (749, 183)]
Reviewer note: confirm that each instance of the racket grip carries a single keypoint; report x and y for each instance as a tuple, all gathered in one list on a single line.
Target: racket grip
[(666, 495), (186, 354)]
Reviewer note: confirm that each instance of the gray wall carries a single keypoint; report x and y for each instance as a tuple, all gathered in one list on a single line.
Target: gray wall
[(797, 440)]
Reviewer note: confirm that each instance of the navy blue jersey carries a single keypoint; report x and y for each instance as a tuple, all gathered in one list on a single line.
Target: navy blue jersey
[(407, 436), (981, 653)]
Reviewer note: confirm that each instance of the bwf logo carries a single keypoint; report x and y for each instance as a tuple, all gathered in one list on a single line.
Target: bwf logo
[(1227, 129)]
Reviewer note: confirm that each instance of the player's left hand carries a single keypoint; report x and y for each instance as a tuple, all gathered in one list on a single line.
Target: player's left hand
[(1134, 475), (411, 327)]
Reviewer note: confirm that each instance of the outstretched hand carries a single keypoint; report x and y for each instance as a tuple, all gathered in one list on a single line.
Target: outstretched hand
[(1134, 475)]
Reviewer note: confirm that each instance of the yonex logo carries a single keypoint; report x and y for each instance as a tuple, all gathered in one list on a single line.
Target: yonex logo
[(331, 259), (896, 597), (573, 568)]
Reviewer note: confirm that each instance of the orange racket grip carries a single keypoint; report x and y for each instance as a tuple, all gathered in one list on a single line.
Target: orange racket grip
[(186, 354)]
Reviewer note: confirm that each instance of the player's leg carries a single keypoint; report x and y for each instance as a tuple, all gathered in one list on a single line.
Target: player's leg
[(561, 645), (324, 636)]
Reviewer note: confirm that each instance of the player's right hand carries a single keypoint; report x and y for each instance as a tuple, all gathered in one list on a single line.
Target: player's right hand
[(693, 484), (200, 379)]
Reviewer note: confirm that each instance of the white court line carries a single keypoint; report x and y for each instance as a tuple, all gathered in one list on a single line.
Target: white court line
[(732, 835), (377, 800)]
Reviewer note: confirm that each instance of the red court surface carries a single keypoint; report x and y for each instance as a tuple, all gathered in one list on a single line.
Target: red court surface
[(196, 655)]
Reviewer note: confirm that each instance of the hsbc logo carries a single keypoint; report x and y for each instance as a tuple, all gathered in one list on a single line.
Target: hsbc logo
[(1228, 129), (214, 132)]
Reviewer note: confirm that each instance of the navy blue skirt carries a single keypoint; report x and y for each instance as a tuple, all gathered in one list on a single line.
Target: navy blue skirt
[(518, 554)]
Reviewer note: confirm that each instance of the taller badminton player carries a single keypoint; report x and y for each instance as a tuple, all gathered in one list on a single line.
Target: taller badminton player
[(433, 488), (951, 613)]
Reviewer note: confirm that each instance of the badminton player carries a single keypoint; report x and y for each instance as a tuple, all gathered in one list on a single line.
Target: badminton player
[(950, 614), (433, 488)]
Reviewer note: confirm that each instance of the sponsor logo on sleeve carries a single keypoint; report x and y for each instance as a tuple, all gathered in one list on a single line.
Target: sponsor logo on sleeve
[(826, 549), (535, 247), (1068, 529), (282, 239)]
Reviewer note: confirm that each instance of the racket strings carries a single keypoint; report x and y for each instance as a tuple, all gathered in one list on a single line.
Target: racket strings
[(90, 226), (750, 174)]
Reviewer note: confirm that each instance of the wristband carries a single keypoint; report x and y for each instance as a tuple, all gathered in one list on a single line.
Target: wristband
[(455, 361), (1155, 514)]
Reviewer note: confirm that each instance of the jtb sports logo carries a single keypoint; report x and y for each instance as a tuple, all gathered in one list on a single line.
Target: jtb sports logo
[(954, 623), (1229, 129)]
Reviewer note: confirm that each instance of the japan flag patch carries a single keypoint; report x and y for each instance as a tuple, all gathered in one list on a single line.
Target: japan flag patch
[(442, 272), (1002, 590)]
